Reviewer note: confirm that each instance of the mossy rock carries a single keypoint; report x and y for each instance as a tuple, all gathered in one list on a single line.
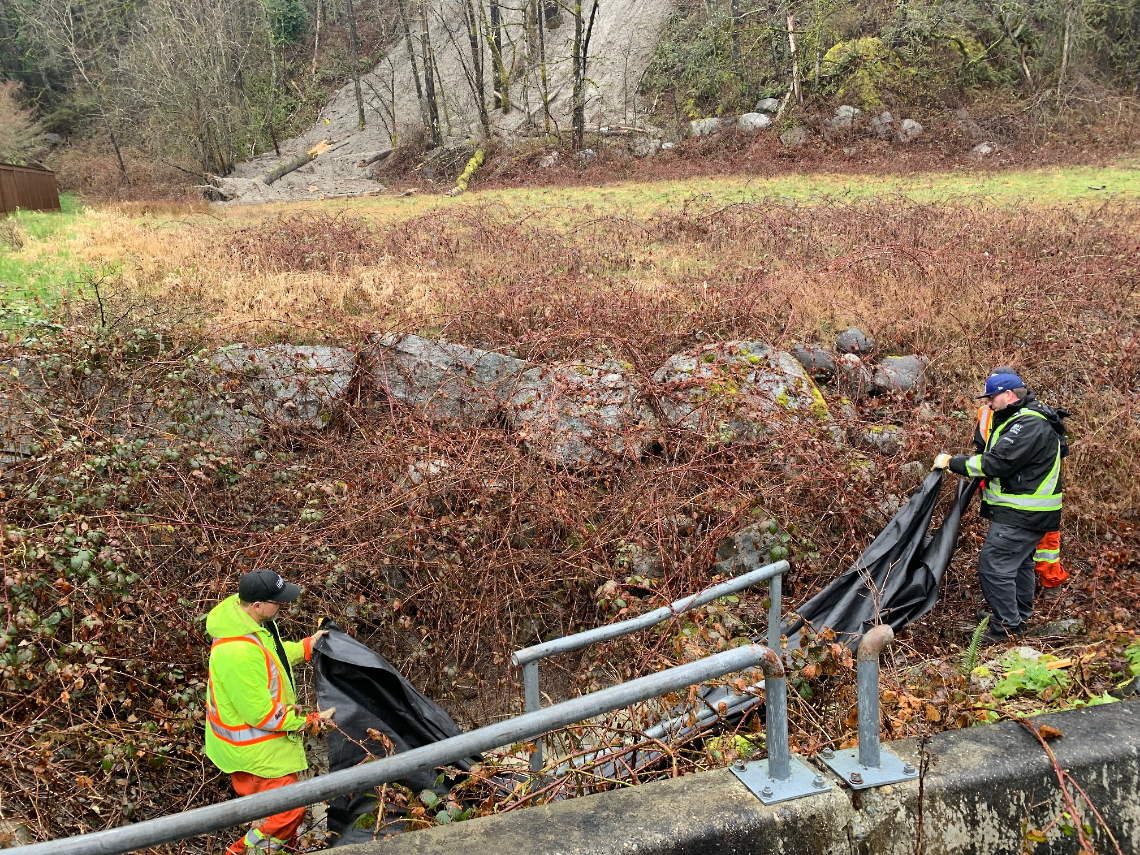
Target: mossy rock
[(731, 390)]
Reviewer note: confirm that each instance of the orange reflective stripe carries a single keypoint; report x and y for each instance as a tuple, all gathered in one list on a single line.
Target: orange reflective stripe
[(244, 734), (985, 422)]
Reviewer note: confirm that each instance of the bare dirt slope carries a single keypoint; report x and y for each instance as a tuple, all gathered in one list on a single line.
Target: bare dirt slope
[(624, 36)]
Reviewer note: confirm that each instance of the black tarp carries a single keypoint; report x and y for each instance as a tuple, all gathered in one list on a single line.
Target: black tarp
[(369, 693), (896, 579)]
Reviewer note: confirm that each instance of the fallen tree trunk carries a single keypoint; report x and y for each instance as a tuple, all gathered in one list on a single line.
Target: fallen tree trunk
[(375, 157), (281, 170)]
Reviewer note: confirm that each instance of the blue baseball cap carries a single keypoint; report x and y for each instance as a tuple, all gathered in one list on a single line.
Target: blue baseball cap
[(998, 383)]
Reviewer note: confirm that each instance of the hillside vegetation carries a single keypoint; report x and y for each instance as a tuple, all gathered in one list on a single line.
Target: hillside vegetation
[(161, 92)]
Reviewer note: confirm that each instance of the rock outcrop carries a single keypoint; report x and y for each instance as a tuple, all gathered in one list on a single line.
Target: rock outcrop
[(730, 390), (445, 383), (576, 415)]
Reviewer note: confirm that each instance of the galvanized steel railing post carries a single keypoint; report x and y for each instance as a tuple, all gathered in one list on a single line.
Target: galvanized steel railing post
[(781, 777), (867, 672), (776, 727), (530, 696), (774, 611), (776, 694), (870, 765)]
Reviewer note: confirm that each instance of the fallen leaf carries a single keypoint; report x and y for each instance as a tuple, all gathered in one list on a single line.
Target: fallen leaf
[(1048, 732), (932, 713)]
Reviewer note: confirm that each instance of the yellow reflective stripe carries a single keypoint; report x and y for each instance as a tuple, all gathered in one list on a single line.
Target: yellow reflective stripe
[(1023, 502), (258, 840), (1050, 556), (974, 466)]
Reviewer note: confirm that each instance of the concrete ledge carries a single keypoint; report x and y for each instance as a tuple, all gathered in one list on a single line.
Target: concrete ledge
[(983, 787)]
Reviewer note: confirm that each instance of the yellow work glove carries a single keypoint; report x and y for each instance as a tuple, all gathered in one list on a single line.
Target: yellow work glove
[(941, 461)]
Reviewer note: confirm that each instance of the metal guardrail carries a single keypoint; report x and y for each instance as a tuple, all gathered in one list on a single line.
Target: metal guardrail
[(204, 820), (529, 657)]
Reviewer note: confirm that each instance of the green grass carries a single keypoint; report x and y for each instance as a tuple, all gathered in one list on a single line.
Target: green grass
[(1047, 186), (39, 270)]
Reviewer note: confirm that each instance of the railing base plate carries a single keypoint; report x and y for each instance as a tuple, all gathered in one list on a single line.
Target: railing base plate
[(803, 781), (891, 769)]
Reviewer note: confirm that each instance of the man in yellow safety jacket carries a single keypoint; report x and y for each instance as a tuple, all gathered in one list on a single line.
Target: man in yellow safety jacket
[(253, 728)]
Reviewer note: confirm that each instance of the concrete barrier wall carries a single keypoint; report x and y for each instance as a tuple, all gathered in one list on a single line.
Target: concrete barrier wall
[(983, 787)]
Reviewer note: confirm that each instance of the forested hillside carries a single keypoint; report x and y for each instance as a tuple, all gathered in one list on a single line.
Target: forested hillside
[(195, 86)]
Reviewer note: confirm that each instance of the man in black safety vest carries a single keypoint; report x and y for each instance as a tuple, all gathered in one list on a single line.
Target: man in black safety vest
[(1021, 465)]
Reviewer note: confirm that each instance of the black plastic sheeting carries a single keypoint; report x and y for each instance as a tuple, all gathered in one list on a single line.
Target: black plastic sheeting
[(369, 693), (896, 579)]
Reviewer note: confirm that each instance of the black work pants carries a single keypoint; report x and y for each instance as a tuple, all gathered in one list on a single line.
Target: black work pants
[(1005, 569)]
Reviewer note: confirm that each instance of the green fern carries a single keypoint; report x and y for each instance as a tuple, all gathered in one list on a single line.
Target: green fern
[(970, 657)]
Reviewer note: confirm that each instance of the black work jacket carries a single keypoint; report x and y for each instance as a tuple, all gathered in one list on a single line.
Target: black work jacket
[(1022, 459)]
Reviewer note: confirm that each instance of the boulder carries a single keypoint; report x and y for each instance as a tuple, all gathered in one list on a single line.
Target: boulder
[(645, 146), (883, 125), (768, 105), (730, 390), (882, 439), (445, 383), (752, 547), (586, 155), (854, 340), (666, 146), (909, 131), (967, 125), (549, 160), (14, 833), (284, 385), (753, 122), (816, 361), (575, 415), (905, 374), (794, 137), (845, 116), (704, 127), (982, 150), (912, 474), (854, 376)]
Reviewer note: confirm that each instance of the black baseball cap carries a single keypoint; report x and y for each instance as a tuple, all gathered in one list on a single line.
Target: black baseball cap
[(265, 586)]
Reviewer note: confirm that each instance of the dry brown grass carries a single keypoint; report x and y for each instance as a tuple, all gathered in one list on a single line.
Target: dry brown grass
[(970, 285)]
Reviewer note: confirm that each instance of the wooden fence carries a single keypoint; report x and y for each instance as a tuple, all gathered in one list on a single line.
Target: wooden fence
[(27, 188)]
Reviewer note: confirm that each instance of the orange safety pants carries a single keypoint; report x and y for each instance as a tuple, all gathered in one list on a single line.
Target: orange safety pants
[(275, 833), (1047, 561)]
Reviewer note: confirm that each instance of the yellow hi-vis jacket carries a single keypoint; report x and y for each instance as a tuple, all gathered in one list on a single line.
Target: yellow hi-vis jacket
[(251, 725)]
